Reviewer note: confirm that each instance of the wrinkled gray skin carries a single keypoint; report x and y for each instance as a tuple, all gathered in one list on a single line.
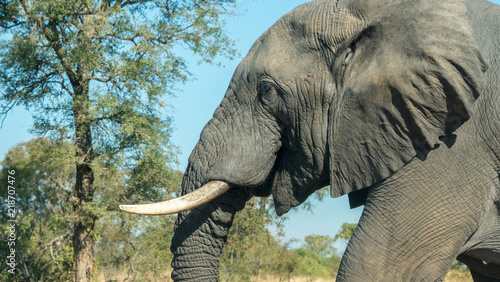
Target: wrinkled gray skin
[(396, 103)]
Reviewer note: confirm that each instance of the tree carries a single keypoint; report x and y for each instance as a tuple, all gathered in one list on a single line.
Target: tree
[(134, 247), (346, 231), (314, 265), (322, 245), (96, 73), (44, 174)]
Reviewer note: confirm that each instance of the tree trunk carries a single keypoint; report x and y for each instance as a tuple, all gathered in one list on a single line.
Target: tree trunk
[(83, 239)]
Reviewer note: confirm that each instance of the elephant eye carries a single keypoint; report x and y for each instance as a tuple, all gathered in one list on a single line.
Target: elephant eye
[(267, 90), (270, 96)]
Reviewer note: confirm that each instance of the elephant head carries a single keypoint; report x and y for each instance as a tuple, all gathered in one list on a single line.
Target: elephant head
[(339, 93)]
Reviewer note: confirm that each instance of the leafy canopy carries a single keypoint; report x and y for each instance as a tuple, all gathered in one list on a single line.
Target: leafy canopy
[(126, 56), (44, 174)]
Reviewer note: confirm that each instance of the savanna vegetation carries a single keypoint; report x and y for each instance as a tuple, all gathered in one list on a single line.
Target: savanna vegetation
[(134, 248)]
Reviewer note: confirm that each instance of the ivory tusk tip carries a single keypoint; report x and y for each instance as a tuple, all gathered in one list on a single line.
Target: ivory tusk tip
[(127, 208), (189, 201), (148, 209)]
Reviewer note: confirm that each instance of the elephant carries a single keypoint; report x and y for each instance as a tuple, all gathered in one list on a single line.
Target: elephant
[(395, 103)]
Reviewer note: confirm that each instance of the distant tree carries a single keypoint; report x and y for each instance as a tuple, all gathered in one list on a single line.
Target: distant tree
[(95, 73), (346, 231), (251, 248), (318, 257), (133, 247), (286, 263), (323, 245), (312, 265), (44, 175)]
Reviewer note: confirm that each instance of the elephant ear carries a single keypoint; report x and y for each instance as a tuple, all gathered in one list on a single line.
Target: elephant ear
[(406, 80)]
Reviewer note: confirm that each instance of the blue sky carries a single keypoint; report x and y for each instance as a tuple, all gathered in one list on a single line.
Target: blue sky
[(197, 100)]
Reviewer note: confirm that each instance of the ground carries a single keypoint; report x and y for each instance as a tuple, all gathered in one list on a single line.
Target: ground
[(453, 276)]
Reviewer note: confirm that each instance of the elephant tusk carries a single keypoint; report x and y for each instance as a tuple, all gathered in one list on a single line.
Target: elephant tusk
[(204, 194)]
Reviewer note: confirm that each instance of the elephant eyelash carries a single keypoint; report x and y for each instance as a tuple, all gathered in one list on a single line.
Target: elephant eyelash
[(266, 89), (268, 86)]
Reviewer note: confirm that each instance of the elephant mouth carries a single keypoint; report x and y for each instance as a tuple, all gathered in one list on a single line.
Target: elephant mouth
[(204, 194), (216, 188)]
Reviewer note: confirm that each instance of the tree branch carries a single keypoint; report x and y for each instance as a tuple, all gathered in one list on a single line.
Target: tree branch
[(5, 110), (51, 34), (49, 245), (132, 2), (57, 183)]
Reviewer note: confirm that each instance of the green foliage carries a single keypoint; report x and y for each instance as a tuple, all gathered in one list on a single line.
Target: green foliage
[(121, 57), (314, 265), (128, 244), (134, 247), (346, 231), (322, 245), (317, 258), (44, 174), (96, 74), (241, 258)]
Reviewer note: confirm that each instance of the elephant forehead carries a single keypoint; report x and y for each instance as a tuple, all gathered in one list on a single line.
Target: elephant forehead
[(275, 51), (296, 44), (276, 56)]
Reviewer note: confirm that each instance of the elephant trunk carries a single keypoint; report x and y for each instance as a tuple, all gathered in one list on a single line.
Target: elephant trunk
[(236, 147), (200, 234)]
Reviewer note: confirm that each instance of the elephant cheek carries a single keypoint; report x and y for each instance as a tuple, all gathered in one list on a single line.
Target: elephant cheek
[(246, 170), (245, 156)]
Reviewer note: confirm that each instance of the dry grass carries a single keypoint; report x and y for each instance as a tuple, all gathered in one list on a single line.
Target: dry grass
[(452, 276), (294, 279)]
